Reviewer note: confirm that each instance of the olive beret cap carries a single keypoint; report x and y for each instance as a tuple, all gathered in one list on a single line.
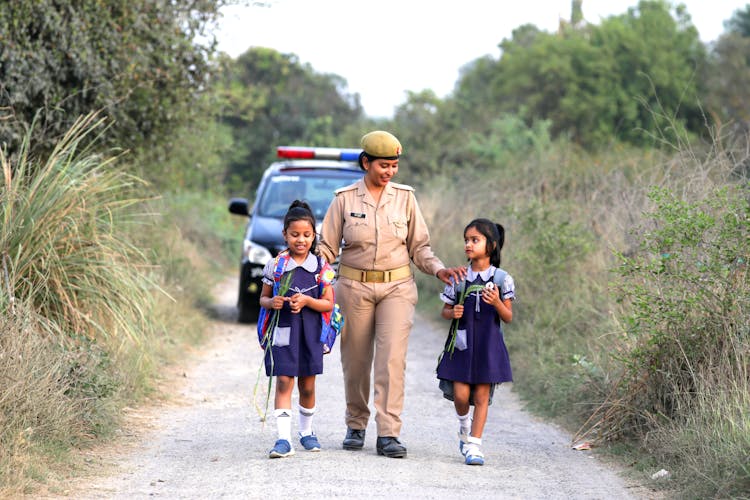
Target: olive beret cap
[(381, 144)]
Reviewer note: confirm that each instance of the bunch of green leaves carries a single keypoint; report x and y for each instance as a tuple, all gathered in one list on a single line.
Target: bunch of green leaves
[(267, 340), (464, 292)]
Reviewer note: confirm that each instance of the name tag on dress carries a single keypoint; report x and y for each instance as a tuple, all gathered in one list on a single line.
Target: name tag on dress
[(357, 215)]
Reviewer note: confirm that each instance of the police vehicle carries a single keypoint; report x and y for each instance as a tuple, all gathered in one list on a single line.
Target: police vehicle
[(304, 173)]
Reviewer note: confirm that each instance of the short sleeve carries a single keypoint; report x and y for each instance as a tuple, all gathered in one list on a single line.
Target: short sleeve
[(268, 272), (508, 288), (448, 295)]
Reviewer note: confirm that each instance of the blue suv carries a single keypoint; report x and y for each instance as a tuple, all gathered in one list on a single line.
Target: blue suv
[(309, 174)]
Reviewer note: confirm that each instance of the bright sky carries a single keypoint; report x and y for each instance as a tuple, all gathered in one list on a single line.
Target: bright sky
[(385, 47)]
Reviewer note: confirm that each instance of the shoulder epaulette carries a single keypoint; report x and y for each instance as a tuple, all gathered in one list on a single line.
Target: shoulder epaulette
[(346, 188), (405, 187)]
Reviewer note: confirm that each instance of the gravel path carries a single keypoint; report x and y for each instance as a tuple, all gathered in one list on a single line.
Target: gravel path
[(209, 442)]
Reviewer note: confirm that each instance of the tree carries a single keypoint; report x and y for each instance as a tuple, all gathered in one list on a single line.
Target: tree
[(728, 77), (271, 99), (140, 61), (739, 23), (632, 77)]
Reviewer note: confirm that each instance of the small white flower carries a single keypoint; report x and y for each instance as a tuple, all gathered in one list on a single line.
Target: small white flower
[(490, 285)]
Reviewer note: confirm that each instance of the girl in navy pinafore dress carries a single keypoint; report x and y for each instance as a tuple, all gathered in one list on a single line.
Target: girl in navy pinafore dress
[(296, 348), (475, 358)]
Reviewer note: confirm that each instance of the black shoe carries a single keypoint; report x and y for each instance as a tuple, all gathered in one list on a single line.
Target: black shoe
[(355, 439), (390, 447)]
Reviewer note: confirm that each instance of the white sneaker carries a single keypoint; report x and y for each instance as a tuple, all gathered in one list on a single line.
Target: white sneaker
[(473, 454)]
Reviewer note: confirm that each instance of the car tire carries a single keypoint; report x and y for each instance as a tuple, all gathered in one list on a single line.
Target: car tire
[(248, 307), (247, 313)]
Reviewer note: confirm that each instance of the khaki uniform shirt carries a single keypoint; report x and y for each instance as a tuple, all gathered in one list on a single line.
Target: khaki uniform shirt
[(377, 237)]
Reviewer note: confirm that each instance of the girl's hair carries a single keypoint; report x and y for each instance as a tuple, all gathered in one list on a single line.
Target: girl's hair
[(300, 210), (495, 234)]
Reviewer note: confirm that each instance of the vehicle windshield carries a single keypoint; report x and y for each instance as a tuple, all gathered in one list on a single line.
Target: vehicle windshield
[(315, 188)]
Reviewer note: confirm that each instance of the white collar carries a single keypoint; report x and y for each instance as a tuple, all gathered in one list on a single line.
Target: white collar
[(310, 264), (486, 275)]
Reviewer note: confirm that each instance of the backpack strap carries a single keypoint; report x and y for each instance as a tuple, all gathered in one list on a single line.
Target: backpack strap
[(499, 278), (332, 321), (278, 270)]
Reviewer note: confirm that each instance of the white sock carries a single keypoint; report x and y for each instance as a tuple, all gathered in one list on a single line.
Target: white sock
[(464, 423), (305, 420), (284, 423), (472, 447)]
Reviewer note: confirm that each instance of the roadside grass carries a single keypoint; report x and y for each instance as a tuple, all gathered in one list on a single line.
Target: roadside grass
[(578, 353), (102, 283)]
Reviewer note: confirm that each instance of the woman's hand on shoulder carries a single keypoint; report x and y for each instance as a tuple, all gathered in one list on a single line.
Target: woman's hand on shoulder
[(451, 275)]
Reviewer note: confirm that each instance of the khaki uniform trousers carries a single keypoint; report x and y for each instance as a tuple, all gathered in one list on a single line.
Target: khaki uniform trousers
[(377, 321)]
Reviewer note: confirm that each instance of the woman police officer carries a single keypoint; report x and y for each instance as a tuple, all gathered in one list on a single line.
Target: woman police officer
[(379, 229)]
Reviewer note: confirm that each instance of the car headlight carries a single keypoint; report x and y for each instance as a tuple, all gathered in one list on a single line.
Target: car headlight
[(255, 253)]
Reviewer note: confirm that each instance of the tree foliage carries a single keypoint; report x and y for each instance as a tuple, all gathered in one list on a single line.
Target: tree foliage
[(729, 81), (728, 75), (270, 99), (141, 61), (739, 23), (629, 77)]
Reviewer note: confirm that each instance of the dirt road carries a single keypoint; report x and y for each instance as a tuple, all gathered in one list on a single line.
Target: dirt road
[(210, 443)]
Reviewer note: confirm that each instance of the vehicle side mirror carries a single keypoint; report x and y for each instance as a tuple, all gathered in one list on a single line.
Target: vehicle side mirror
[(239, 206)]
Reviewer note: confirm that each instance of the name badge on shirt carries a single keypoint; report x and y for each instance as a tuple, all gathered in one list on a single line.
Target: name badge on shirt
[(357, 215)]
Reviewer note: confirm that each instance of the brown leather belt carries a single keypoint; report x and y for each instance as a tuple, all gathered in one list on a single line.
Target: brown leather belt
[(374, 276)]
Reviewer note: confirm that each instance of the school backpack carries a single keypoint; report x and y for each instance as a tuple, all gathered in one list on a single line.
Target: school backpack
[(332, 321)]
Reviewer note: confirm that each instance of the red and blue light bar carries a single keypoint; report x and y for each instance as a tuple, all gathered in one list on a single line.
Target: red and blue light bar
[(307, 153)]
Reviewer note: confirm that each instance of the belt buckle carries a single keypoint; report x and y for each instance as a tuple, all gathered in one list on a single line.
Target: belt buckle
[(374, 276)]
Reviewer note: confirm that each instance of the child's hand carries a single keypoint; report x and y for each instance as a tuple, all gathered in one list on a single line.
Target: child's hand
[(490, 294), (278, 301), (297, 302), (458, 311)]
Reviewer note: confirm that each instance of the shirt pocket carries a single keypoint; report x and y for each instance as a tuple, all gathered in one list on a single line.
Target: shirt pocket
[(356, 229), (398, 225)]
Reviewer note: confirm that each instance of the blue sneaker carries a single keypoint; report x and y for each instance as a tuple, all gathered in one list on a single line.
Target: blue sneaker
[(473, 455), (281, 449), (310, 443)]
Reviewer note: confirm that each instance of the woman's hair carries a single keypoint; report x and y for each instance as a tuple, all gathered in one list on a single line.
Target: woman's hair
[(363, 155), (495, 234), (300, 210)]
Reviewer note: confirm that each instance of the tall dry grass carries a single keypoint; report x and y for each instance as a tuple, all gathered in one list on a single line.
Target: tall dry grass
[(74, 299), (37, 413), (100, 285)]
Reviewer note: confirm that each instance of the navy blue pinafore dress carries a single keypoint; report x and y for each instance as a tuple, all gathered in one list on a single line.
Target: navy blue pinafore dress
[(296, 349), (482, 357)]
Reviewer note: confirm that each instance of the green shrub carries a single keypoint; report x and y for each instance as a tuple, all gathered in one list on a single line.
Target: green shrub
[(685, 352)]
